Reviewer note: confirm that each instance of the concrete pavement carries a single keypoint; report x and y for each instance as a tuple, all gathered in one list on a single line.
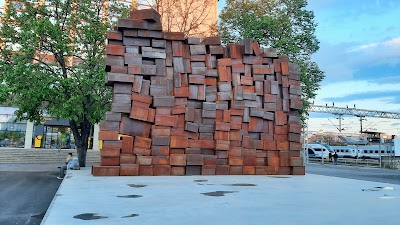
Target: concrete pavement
[(222, 200)]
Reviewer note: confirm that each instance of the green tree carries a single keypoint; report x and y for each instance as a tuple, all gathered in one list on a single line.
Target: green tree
[(52, 61), (285, 25)]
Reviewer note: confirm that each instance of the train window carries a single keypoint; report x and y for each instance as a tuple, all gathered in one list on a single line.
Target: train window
[(376, 151), (317, 149), (371, 151), (365, 151), (382, 151), (310, 151), (347, 150)]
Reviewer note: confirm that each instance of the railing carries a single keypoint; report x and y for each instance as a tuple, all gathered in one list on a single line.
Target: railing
[(349, 162)]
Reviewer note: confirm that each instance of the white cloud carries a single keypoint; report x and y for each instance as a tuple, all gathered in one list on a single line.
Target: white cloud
[(344, 88), (392, 43)]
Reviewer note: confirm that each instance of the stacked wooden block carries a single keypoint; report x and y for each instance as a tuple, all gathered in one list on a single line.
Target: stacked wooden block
[(185, 106)]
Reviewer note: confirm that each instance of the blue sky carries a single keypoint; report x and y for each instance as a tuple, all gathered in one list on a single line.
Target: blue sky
[(360, 55)]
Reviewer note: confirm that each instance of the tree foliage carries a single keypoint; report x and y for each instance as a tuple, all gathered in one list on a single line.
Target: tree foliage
[(52, 61), (285, 25)]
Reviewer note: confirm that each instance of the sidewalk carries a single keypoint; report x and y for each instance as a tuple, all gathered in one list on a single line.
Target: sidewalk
[(221, 200)]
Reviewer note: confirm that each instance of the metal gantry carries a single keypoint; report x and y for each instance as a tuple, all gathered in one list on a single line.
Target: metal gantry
[(353, 112)]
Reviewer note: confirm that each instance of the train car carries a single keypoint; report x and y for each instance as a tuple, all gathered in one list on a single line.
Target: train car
[(315, 150), (363, 151)]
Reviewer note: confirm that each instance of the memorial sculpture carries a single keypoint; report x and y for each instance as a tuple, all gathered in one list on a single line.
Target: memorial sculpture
[(186, 106)]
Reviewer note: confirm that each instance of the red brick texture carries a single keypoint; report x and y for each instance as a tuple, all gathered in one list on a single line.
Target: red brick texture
[(186, 106)]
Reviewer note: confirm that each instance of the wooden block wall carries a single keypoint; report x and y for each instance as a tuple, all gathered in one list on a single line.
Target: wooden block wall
[(186, 106)]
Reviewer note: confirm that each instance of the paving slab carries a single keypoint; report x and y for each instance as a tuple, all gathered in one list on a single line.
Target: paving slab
[(222, 200)]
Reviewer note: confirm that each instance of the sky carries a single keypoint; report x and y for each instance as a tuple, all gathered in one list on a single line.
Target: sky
[(360, 55)]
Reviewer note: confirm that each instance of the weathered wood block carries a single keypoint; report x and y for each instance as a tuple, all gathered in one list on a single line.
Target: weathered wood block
[(295, 146), (174, 36), (249, 170), (222, 170), (161, 170), (298, 170), (109, 161), (142, 142), (141, 151), (144, 160), (161, 140), (166, 101), (127, 159), (208, 169), (145, 170), (211, 41), (160, 160), (114, 35), (127, 144), (178, 170), (296, 161), (110, 152), (280, 118), (115, 50), (98, 170), (108, 135), (136, 41), (164, 120), (194, 159), (198, 50), (129, 170), (109, 125), (193, 170), (235, 170), (139, 113), (179, 142)]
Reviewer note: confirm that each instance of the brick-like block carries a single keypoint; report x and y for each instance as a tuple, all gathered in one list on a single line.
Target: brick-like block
[(110, 152), (144, 160), (141, 151), (129, 170), (127, 144), (134, 127), (178, 170), (298, 170), (208, 170), (249, 170), (161, 140), (179, 142), (284, 170), (160, 160), (145, 170), (235, 161), (193, 170), (127, 159), (109, 161), (236, 170), (261, 170), (159, 150), (98, 170), (177, 159), (222, 170), (194, 159), (161, 170), (108, 135), (142, 142), (296, 161)]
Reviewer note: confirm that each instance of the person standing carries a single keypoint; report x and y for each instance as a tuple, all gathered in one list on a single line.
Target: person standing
[(330, 156), (335, 157)]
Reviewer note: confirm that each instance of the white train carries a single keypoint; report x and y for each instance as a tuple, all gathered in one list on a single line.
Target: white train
[(364, 151), (351, 151), (316, 149)]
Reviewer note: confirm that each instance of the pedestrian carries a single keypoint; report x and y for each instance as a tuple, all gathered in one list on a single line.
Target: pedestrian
[(335, 157), (330, 156), (72, 164)]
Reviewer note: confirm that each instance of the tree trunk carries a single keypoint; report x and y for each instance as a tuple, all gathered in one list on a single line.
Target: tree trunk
[(81, 135)]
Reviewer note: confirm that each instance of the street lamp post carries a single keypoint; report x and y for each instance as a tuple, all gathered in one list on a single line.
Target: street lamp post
[(321, 132)]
